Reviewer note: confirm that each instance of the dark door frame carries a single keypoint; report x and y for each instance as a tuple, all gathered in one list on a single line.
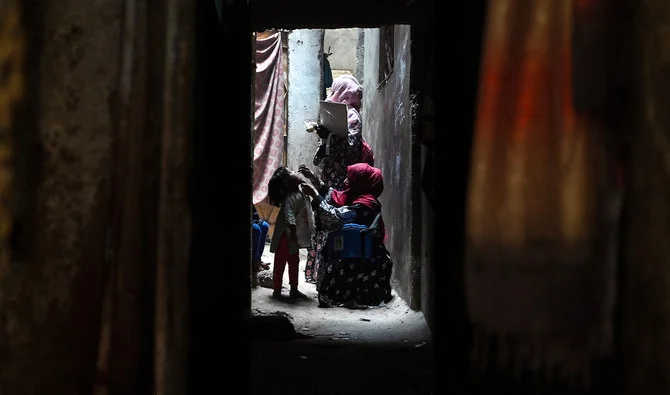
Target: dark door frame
[(219, 183)]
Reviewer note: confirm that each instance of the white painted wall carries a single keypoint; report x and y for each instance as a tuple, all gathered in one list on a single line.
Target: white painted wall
[(304, 79)]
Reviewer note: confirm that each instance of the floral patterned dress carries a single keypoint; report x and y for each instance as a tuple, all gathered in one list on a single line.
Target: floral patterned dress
[(352, 282), (343, 152)]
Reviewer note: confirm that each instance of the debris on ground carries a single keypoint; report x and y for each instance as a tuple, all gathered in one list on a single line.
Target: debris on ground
[(265, 278), (277, 327)]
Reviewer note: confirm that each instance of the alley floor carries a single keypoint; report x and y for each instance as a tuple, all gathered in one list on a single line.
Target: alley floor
[(386, 349), (394, 322)]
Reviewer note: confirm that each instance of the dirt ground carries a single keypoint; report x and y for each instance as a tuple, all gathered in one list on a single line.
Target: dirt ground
[(394, 322), (385, 350)]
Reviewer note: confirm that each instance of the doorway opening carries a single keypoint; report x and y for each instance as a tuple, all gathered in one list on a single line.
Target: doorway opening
[(291, 81), (232, 30)]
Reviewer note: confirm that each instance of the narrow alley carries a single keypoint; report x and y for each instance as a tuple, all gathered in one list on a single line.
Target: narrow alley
[(390, 346)]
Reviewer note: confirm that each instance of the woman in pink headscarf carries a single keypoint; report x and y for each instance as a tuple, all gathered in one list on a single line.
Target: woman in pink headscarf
[(352, 281), (341, 153), (344, 151)]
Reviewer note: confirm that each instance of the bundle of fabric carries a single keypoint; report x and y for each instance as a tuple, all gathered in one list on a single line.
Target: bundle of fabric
[(540, 267)]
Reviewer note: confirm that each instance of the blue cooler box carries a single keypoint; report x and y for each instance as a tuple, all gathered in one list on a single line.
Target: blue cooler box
[(349, 242)]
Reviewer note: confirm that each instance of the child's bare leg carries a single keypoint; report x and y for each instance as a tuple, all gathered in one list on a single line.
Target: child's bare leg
[(280, 259), (293, 266)]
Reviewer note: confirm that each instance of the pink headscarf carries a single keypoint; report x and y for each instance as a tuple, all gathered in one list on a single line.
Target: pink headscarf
[(346, 89), (365, 185)]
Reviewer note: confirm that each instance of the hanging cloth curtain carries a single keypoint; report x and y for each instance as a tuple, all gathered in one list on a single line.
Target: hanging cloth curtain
[(539, 284), (269, 113)]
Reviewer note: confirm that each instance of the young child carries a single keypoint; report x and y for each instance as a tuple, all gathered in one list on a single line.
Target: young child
[(293, 228)]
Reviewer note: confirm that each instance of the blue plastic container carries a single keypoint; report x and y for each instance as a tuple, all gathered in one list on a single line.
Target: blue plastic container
[(350, 242)]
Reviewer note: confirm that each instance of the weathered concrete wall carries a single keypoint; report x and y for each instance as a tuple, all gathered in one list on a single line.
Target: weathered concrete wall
[(423, 86), (428, 255), (343, 45), (360, 56), (304, 80), (387, 127), (67, 130)]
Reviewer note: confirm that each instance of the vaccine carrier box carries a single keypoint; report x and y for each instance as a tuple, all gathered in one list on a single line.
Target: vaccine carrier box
[(350, 242)]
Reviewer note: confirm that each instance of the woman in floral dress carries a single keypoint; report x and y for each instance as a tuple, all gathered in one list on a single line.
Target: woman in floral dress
[(341, 153), (352, 282)]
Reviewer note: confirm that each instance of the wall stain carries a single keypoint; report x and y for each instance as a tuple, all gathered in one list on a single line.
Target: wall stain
[(62, 197)]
